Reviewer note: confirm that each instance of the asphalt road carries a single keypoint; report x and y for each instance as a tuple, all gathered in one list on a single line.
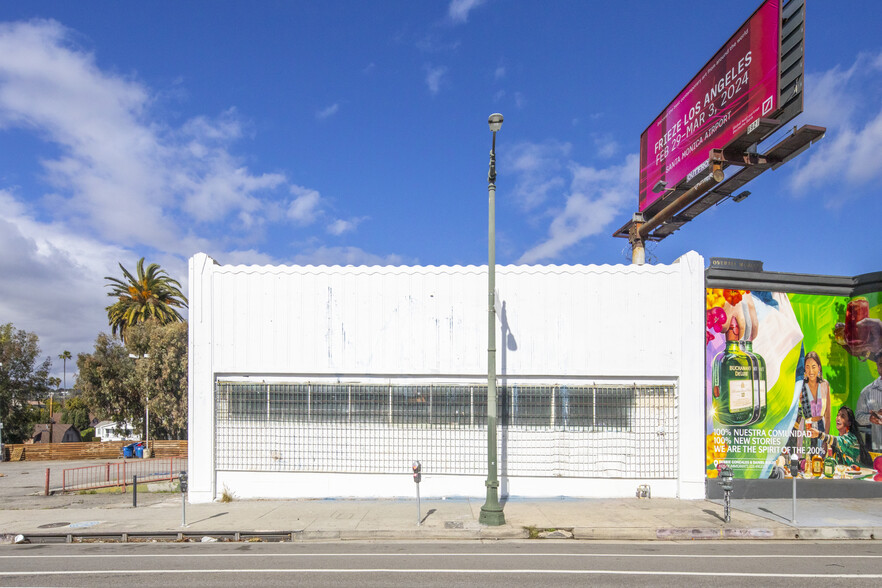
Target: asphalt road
[(448, 564)]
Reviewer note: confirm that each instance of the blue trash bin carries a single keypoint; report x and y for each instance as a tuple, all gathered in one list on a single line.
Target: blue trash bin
[(139, 450), (128, 450)]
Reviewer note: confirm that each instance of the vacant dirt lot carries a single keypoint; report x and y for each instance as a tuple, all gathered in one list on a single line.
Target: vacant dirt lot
[(22, 486)]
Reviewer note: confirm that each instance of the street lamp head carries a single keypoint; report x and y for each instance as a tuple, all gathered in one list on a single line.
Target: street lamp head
[(495, 121)]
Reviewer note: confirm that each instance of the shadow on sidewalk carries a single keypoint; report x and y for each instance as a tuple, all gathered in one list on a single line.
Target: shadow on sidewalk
[(214, 516)]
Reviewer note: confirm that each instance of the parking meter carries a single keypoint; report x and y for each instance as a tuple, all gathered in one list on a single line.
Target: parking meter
[(417, 476), (726, 483), (183, 484), (794, 465), (794, 473), (726, 478)]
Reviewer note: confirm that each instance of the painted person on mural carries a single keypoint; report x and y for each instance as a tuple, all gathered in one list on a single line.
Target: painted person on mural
[(814, 402), (848, 448), (868, 411)]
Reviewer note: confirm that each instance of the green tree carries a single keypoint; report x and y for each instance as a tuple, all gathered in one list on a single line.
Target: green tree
[(116, 387), (75, 412), (106, 382), (21, 379), (151, 294), (162, 373), (64, 356)]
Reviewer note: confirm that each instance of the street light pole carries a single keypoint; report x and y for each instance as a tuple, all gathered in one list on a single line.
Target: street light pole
[(146, 407), (491, 512)]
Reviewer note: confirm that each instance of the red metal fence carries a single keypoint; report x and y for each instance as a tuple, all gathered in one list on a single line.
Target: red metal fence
[(122, 473)]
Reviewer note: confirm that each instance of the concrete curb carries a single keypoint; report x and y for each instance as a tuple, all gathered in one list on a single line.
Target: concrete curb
[(483, 534), (611, 534), (842, 533)]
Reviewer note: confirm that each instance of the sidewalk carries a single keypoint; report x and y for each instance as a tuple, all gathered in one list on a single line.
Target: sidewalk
[(452, 519), (60, 517)]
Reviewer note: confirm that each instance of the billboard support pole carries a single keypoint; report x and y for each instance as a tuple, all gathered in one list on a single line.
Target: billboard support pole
[(638, 245), (688, 197)]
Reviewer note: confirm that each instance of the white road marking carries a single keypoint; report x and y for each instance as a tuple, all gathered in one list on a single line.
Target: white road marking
[(543, 555), (443, 571)]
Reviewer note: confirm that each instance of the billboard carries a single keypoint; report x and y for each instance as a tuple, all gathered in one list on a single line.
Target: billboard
[(787, 374), (735, 88)]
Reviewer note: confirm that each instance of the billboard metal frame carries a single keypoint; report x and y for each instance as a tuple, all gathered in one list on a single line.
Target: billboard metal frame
[(681, 203)]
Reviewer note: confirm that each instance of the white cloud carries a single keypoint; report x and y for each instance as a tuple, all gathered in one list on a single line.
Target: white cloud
[(593, 199), (328, 112), (499, 73), (54, 281), (305, 207), (433, 43), (215, 187), (201, 129), (344, 256), (113, 163), (434, 78), (247, 257), (537, 168), (606, 146), (458, 10), (520, 100), (340, 226), (118, 183), (846, 102)]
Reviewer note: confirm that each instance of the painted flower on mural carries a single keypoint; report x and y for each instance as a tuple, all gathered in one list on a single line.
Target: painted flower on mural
[(716, 319), (733, 297), (718, 299), (716, 450), (715, 298)]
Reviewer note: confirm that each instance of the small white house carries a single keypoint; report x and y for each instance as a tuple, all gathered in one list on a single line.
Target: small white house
[(113, 431), (329, 381)]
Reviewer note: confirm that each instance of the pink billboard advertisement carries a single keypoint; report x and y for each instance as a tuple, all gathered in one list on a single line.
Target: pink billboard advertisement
[(736, 87)]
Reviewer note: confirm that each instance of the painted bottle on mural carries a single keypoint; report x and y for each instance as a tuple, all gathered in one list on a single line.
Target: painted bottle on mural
[(733, 389), (758, 375), (829, 464), (817, 466), (856, 311)]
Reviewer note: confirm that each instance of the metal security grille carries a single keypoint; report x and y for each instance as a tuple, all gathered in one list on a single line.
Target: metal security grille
[(573, 431)]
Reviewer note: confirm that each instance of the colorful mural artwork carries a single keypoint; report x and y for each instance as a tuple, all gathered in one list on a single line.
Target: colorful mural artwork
[(794, 374)]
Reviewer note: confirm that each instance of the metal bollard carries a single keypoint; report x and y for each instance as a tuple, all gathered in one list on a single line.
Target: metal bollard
[(46, 489), (134, 491)]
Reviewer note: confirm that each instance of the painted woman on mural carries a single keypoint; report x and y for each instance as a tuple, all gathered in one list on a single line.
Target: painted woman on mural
[(813, 417), (848, 448)]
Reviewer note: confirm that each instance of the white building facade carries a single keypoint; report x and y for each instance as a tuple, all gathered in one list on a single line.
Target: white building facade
[(329, 381), (113, 431)]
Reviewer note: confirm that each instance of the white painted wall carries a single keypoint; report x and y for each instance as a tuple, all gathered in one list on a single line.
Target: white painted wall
[(612, 324)]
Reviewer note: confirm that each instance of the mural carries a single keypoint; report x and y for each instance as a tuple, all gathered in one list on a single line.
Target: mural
[(794, 373)]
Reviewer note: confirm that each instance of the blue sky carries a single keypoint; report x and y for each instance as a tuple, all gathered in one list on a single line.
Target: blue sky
[(355, 133)]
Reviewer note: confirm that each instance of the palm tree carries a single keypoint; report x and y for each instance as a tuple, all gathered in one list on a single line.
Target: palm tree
[(64, 356), (150, 295)]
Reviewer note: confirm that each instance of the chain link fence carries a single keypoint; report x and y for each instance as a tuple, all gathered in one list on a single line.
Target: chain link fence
[(573, 431)]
